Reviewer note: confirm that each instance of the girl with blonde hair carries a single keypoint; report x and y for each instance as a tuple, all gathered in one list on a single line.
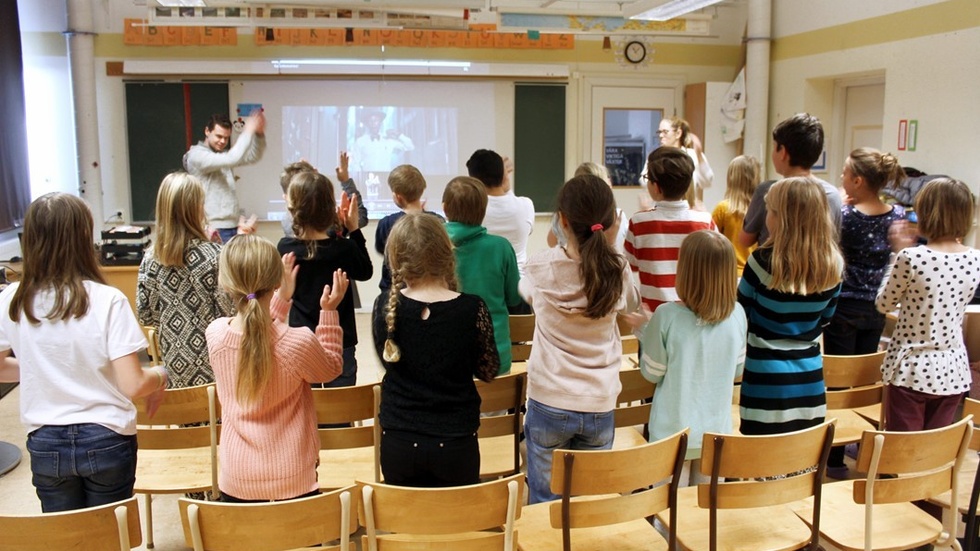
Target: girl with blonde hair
[(264, 368), (177, 285), (320, 251), (789, 291), (577, 291), (926, 370), (743, 177), (432, 342), (694, 349), (73, 343)]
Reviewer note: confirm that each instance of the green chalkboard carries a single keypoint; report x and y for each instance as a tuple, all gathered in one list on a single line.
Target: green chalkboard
[(539, 142), (159, 132)]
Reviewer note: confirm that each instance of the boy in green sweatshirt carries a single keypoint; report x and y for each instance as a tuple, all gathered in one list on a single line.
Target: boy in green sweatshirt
[(486, 265)]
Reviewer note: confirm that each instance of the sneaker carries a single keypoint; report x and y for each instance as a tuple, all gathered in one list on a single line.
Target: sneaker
[(851, 450), (837, 473)]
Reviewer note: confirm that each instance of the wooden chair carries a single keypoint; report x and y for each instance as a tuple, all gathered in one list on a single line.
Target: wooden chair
[(877, 512), (153, 350), (292, 524), (500, 430), (969, 483), (348, 453), (521, 335), (752, 512), (853, 385), (607, 497), (631, 345), (112, 527), (479, 517), (632, 409), (174, 458)]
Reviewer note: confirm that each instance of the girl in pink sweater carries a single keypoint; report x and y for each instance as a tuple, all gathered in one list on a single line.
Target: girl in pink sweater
[(263, 369), (573, 372)]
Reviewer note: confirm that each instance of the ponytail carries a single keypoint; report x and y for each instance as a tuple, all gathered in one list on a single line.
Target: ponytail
[(255, 362), (588, 206)]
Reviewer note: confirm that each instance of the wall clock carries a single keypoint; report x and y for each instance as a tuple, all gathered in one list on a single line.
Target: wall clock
[(633, 51)]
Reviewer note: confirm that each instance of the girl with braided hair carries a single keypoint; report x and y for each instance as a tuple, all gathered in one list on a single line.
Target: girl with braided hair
[(432, 341)]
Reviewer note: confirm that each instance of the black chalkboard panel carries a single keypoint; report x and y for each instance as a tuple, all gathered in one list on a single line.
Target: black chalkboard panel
[(158, 129), (539, 142)]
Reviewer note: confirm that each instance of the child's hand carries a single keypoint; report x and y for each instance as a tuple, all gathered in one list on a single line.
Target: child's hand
[(290, 269), (213, 235), (342, 173), (351, 218), (246, 226), (154, 400), (333, 294), (638, 319), (901, 235)]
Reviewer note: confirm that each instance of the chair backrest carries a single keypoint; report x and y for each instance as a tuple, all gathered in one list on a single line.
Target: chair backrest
[(166, 430), (500, 406), (153, 348), (853, 381), (627, 479), (771, 470), (112, 527), (350, 405), (633, 403), (521, 335), (972, 407), (917, 464), (631, 345), (308, 521), (479, 517)]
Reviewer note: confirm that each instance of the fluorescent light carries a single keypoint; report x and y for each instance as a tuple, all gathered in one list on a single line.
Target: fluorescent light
[(182, 3), (668, 10), (292, 63)]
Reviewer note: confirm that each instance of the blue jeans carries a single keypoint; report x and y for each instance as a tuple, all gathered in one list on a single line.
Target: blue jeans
[(78, 466), (227, 233), (547, 429)]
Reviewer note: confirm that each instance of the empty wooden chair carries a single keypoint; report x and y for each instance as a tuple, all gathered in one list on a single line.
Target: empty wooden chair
[(174, 458), (501, 424), (876, 512), (969, 483), (479, 517), (754, 479), (521, 335), (348, 449), (632, 409), (112, 527), (607, 497), (304, 522), (854, 394)]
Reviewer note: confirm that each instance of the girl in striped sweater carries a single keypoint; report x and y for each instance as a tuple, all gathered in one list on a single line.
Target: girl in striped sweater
[(263, 369), (789, 292)]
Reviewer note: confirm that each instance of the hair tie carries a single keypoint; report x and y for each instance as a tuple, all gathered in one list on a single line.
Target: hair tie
[(250, 296), (597, 227)]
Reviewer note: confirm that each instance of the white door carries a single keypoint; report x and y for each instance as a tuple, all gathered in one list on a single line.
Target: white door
[(621, 114)]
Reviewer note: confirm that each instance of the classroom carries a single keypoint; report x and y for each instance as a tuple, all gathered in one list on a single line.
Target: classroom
[(570, 82)]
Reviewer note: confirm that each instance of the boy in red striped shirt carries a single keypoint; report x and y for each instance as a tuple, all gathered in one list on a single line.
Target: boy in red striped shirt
[(655, 235)]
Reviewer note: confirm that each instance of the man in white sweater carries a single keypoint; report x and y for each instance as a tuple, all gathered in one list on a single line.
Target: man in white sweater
[(209, 161)]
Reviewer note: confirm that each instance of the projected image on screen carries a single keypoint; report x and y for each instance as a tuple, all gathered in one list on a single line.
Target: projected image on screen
[(377, 138)]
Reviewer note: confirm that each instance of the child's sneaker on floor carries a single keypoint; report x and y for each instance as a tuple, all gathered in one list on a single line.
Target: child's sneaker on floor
[(837, 473)]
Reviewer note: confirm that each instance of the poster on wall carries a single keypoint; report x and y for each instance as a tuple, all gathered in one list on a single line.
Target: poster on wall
[(624, 162)]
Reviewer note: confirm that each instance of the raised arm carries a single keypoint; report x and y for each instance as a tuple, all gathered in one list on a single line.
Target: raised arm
[(247, 149)]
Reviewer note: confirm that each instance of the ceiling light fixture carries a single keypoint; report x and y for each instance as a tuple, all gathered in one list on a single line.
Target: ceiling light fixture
[(293, 63), (182, 3), (665, 10)]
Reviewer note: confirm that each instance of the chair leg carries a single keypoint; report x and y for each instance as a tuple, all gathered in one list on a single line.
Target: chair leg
[(148, 499)]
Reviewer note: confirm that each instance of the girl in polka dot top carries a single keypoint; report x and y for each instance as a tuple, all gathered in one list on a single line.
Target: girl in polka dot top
[(926, 371)]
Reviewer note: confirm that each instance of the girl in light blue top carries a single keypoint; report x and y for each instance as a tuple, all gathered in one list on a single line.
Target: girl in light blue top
[(694, 349)]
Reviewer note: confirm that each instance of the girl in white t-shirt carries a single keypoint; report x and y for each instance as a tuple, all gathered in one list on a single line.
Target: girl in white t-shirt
[(76, 342)]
